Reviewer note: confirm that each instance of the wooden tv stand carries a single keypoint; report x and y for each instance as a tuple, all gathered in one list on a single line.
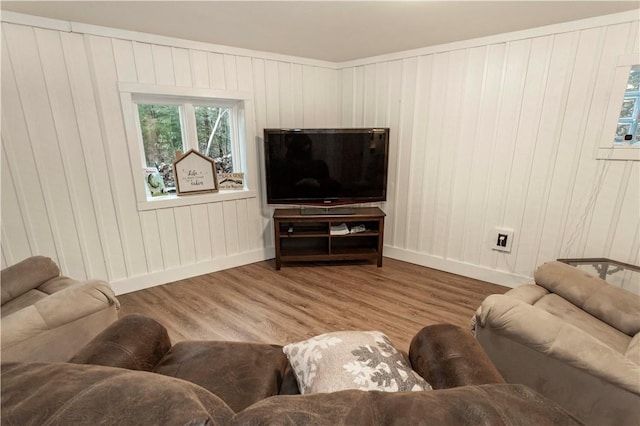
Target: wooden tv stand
[(307, 237)]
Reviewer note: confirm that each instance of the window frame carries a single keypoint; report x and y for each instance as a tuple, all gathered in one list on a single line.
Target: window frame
[(607, 150), (632, 121), (185, 98)]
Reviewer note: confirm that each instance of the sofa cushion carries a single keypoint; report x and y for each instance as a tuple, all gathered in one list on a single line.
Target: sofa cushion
[(575, 316), (593, 295), (72, 394), (24, 300), (528, 293), (633, 350), (365, 360), (497, 404), (78, 300), (289, 382), (239, 373)]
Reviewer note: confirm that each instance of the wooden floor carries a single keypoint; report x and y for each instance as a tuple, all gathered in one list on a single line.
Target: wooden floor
[(259, 304)]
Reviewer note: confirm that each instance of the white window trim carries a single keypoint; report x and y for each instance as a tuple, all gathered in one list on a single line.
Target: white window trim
[(132, 93), (606, 150)]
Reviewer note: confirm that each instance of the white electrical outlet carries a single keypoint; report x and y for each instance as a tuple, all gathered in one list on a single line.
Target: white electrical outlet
[(502, 239)]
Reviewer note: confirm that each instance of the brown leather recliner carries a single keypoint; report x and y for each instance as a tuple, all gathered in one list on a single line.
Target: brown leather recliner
[(131, 374)]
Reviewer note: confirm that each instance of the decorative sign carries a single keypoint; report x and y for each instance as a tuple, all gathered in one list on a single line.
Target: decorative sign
[(231, 180), (195, 173)]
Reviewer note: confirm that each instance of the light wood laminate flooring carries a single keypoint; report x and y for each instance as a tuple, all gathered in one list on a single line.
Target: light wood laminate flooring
[(256, 303)]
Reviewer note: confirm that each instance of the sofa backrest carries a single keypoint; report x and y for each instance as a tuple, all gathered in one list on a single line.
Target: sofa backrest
[(493, 404), (91, 394), (65, 394), (26, 275), (617, 307)]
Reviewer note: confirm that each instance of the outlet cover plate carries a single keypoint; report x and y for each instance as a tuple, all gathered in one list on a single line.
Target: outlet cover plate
[(502, 239)]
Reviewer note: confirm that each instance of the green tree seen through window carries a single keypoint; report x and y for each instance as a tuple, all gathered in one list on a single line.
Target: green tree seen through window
[(214, 135), (162, 133)]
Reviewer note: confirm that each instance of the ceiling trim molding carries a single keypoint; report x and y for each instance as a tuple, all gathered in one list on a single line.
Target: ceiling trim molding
[(34, 21), (564, 27)]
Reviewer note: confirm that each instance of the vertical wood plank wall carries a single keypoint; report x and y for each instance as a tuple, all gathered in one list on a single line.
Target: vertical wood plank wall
[(487, 134), (67, 184), (501, 134)]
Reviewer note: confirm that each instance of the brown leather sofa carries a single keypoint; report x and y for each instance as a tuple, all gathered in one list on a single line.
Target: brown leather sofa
[(49, 317), (131, 374)]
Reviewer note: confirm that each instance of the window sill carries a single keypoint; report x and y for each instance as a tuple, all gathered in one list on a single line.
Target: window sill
[(619, 153), (170, 201)]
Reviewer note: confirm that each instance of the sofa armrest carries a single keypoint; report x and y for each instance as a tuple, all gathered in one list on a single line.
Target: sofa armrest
[(448, 356), (25, 276), (549, 335), (79, 299), (134, 342)]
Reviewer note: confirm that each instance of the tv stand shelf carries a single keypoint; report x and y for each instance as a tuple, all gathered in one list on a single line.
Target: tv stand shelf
[(304, 237)]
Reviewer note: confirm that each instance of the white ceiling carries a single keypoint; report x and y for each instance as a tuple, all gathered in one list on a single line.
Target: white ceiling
[(334, 31)]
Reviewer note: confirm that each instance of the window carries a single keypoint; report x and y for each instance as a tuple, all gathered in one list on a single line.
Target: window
[(628, 132), (620, 134), (161, 120), (170, 125), (161, 134)]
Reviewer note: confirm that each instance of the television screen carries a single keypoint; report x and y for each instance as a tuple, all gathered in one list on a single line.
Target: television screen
[(326, 166)]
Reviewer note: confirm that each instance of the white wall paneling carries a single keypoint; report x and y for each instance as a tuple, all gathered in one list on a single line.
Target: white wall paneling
[(201, 232), (14, 222), (120, 175), (500, 131), (68, 189), (502, 134), (44, 179)]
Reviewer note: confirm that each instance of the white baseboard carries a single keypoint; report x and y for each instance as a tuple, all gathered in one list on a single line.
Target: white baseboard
[(507, 279), (153, 279)]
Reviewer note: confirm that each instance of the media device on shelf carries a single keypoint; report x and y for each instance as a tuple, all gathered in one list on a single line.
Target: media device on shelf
[(326, 167)]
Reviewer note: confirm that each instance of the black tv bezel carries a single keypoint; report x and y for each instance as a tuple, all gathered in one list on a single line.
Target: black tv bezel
[(327, 202)]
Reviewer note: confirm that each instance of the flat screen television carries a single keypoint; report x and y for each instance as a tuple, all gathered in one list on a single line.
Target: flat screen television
[(326, 166)]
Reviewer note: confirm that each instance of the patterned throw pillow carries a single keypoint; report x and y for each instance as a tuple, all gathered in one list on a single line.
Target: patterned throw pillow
[(365, 360)]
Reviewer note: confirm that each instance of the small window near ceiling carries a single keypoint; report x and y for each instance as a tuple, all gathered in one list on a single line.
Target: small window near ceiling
[(628, 131)]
